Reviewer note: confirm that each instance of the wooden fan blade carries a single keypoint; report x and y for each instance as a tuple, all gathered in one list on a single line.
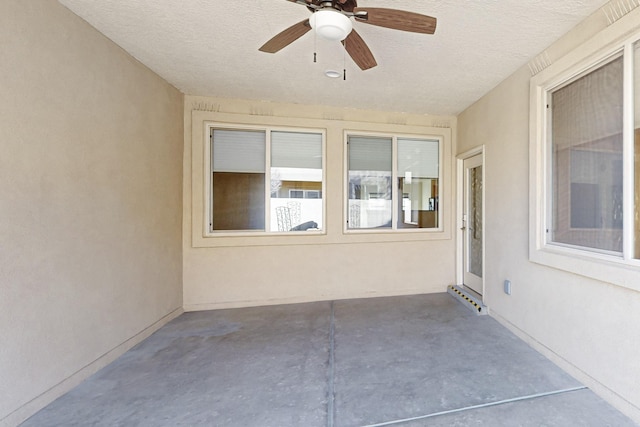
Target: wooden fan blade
[(396, 19), (286, 37), (359, 51)]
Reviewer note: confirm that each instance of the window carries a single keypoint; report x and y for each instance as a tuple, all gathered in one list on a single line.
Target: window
[(585, 164), (392, 182), (636, 148), (587, 152), (265, 180), (305, 194), (261, 181), (238, 179)]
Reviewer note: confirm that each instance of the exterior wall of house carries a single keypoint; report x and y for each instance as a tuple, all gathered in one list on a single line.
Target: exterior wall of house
[(90, 203), (90, 254), (244, 271), (588, 327)]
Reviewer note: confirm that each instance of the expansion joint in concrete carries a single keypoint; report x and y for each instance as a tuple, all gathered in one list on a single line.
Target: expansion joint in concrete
[(484, 405), (331, 373)]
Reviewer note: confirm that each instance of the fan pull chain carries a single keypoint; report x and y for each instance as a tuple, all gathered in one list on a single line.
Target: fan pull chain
[(315, 46), (344, 60)]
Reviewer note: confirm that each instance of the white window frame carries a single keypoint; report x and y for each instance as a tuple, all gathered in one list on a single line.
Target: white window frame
[(618, 269), (394, 187), (209, 127)]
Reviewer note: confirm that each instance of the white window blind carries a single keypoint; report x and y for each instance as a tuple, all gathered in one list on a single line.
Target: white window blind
[(238, 151), (369, 153), (418, 156), (296, 150)]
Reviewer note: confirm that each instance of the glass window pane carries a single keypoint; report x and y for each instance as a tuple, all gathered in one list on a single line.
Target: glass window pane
[(636, 104), (418, 164), (238, 180), (587, 159), (475, 221), (296, 181), (369, 190)]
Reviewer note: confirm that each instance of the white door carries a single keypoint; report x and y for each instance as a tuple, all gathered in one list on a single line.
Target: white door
[(472, 220)]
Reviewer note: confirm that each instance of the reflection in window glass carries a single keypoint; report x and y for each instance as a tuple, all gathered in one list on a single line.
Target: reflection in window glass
[(369, 190), (376, 164), (418, 183), (244, 199), (296, 181), (587, 149)]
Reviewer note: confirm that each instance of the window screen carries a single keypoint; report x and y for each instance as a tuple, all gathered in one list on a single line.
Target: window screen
[(587, 148)]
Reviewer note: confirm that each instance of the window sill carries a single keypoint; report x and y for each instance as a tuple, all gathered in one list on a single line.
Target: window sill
[(259, 233), (606, 268), (318, 238), (387, 231)]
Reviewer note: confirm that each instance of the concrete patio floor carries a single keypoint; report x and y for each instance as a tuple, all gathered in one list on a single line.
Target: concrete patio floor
[(421, 360)]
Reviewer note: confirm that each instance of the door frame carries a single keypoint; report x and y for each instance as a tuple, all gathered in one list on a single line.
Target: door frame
[(460, 183)]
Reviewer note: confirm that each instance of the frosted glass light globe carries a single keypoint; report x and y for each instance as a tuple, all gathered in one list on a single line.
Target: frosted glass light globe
[(331, 24)]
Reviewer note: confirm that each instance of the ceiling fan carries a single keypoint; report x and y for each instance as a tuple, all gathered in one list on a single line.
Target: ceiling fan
[(332, 20)]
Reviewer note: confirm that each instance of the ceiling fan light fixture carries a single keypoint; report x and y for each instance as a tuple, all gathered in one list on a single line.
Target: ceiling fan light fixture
[(331, 24)]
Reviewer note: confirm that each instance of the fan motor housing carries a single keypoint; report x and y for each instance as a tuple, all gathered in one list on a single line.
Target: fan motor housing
[(345, 5)]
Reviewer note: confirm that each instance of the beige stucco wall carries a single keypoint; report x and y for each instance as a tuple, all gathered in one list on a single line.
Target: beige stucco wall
[(90, 202), (589, 327), (243, 271)]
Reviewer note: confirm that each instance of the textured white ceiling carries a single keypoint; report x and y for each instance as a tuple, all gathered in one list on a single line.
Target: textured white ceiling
[(210, 48)]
